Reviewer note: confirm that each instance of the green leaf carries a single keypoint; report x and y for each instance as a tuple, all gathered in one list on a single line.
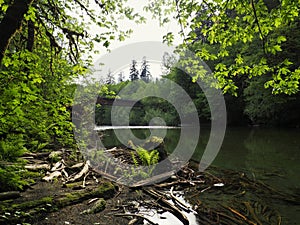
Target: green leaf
[(281, 39), (106, 44)]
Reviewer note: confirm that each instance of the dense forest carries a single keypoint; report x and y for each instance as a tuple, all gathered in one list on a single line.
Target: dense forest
[(251, 46)]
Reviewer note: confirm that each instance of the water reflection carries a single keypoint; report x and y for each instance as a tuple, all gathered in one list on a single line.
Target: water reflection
[(167, 218), (269, 155)]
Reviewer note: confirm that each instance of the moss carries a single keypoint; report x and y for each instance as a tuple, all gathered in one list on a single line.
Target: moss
[(105, 190), (73, 185), (15, 213), (97, 207), (155, 139), (32, 204)]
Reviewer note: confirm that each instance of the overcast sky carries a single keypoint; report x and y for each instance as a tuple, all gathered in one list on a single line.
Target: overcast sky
[(149, 31)]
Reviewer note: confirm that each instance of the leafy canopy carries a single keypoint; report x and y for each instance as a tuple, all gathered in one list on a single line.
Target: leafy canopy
[(249, 33)]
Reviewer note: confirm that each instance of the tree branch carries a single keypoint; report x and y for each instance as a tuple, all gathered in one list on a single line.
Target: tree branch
[(258, 24)]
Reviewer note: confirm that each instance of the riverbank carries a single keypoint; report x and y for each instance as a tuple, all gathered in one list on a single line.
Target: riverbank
[(187, 197)]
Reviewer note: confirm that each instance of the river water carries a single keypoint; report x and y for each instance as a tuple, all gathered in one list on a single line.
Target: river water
[(268, 155)]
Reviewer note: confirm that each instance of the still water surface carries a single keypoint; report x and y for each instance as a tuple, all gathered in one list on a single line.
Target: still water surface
[(268, 155)]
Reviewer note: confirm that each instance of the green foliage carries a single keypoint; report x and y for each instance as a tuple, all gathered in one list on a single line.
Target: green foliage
[(10, 178), (147, 157), (35, 98), (262, 107), (41, 61), (12, 147), (241, 39)]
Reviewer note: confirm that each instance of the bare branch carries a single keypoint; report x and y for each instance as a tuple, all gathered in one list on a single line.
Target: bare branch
[(258, 24)]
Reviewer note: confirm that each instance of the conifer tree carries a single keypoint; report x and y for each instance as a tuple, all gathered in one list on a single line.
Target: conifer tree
[(110, 78), (121, 77), (134, 73), (145, 71)]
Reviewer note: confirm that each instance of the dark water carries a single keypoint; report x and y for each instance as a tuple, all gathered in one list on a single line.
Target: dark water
[(268, 155)]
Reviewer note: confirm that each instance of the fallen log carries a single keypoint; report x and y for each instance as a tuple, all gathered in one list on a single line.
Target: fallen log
[(35, 167), (173, 209), (9, 195), (153, 179), (136, 215)]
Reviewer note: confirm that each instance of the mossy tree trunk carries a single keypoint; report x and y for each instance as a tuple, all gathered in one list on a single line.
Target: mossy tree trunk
[(11, 23)]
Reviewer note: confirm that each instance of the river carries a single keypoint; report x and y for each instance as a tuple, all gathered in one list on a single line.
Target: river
[(265, 154)]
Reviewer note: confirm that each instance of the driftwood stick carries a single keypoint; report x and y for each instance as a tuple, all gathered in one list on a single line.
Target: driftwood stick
[(136, 215), (78, 165), (233, 219), (133, 221), (179, 202), (173, 209), (36, 155), (103, 174), (111, 150), (84, 171), (51, 176), (240, 215), (251, 211), (153, 179), (84, 179), (205, 189)]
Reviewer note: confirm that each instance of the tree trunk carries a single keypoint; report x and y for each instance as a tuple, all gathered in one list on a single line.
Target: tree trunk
[(11, 23)]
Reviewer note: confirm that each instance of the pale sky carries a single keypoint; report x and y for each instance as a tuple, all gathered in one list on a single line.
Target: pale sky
[(149, 31)]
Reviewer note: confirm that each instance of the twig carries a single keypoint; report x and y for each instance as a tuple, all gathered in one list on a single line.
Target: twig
[(180, 203), (83, 182), (136, 215), (205, 189), (213, 176), (229, 217), (9, 195), (250, 209), (103, 174), (111, 150), (240, 215), (258, 25)]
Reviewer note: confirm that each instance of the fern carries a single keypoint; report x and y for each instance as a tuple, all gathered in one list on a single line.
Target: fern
[(154, 156), (136, 163), (148, 158)]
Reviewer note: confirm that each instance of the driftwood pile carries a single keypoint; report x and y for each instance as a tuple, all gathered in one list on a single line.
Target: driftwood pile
[(215, 196), (58, 165)]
